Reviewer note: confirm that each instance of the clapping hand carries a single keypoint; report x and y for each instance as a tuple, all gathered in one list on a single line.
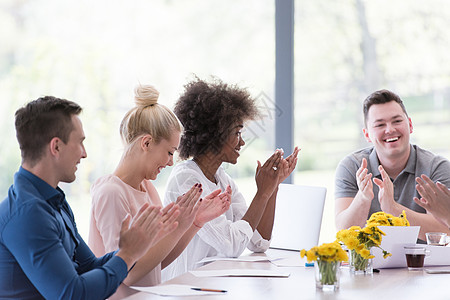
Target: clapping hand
[(435, 198), (188, 208), (267, 176), (364, 181), (212, 206), (169, 215), (386, 192), (139, 233), (287, 165)]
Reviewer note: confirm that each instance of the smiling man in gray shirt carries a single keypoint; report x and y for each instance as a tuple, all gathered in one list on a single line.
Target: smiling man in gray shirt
[(382, 177)]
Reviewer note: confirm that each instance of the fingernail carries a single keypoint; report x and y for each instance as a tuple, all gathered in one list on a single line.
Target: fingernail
[(201, 190)]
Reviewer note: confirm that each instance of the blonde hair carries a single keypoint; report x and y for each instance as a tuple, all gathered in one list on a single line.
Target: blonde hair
[(148, 117)]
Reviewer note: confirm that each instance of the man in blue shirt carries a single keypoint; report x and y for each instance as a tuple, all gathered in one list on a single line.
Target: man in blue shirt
[(41, 253)]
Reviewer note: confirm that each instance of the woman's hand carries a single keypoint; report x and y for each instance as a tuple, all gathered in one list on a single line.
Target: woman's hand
[(287, 165), (212, 206), (187, 206), (169, 215), (267, 176)]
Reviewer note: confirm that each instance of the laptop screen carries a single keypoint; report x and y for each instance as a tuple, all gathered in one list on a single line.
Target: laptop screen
[(298, 216)]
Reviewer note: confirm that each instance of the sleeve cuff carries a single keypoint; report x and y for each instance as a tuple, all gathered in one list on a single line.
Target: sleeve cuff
[(118, 264), (257, 242)]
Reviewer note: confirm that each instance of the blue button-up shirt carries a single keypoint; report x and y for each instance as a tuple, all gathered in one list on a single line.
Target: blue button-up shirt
[(41, 253)]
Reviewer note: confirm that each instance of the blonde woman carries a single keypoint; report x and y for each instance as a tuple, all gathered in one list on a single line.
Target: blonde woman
[(151, 134)]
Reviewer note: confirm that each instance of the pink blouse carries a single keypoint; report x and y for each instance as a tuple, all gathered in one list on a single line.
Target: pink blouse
[(112, 200)]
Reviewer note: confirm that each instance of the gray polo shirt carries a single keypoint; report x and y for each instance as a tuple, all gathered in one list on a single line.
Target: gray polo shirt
[(420, 162)]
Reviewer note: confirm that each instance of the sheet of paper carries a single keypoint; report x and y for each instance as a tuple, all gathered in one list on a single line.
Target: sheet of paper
[(240, 258), (291, 261), (438, 271), (174, 290), (239, 273)]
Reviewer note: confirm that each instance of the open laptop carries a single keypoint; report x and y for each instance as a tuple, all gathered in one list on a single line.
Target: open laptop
[(298, 216)]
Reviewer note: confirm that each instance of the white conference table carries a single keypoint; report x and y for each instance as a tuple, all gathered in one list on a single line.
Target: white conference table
[(390, 284)]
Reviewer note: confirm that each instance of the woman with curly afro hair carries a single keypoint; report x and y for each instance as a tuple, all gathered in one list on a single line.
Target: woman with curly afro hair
[(213, 115)]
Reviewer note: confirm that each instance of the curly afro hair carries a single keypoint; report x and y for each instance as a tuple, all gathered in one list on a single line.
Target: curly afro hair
[(208, 111)]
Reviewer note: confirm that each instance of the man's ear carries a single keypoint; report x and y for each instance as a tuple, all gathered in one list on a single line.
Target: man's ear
[(55, 146), (366, 135), (410, 125)]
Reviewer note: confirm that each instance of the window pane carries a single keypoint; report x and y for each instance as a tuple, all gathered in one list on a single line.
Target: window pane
[(95, 52), (344, 50)]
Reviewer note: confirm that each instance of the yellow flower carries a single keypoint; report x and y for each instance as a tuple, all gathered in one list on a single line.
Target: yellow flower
[(380, 218), (325, 252), (354, 228), (359, 248), (398, 222), (302, 253), (310, 256), (365, 253), (368, 229), (351, 243), (402, 217), (342, 255), (384, 219)]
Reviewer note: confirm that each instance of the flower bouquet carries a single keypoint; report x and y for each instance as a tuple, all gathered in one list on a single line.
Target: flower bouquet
[(383, 219), (327, 258), (361, 240)]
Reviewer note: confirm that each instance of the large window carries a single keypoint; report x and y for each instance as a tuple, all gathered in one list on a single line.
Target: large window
[(95, 52), (344, 50)]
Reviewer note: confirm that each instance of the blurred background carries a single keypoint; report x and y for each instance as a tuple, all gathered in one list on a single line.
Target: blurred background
[(95, 52)]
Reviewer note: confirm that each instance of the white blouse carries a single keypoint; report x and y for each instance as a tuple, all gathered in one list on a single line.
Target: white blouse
[(226, 236)]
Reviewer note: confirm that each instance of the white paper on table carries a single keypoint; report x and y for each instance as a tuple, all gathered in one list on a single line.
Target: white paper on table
[(173, 290), (240, 258), (438, 271), (239, 273), (291, 261)]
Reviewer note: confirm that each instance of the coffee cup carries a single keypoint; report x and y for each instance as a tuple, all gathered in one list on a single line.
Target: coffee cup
[(415, 257)]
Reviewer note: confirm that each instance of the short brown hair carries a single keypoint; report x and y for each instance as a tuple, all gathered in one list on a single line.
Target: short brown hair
[(380, 97), (38, 122)]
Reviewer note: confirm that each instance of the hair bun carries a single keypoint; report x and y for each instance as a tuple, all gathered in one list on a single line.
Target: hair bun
[(145, 95)]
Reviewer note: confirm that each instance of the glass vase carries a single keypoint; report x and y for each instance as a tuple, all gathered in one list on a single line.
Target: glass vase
[(359, 265), (327, 275)]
